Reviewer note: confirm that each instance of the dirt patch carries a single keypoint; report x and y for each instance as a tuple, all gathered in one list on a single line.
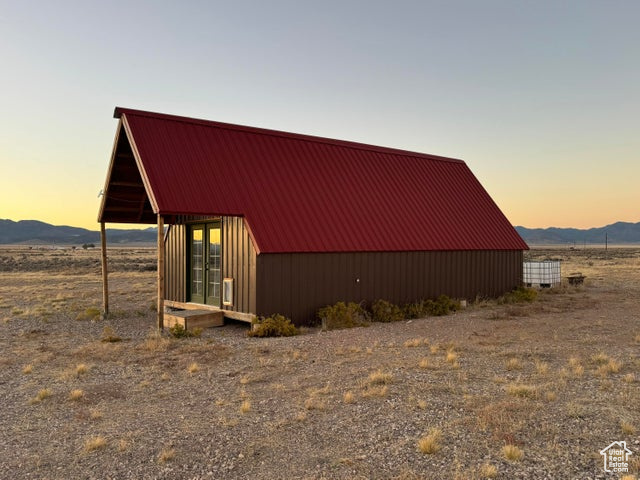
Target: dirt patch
[(556, 379)]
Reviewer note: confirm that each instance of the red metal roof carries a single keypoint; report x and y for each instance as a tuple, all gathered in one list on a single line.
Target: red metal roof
[(299, 193)]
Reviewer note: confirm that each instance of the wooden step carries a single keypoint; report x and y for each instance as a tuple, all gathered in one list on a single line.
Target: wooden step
[(191, 319)]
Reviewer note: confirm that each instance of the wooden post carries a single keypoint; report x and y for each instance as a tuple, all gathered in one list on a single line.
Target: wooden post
[(160, 272), (105, 282)]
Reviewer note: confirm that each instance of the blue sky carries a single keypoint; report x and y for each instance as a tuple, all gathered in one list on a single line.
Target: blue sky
[(541, 99)]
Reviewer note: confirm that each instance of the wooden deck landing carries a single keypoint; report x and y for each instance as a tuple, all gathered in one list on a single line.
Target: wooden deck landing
[(191, 319)]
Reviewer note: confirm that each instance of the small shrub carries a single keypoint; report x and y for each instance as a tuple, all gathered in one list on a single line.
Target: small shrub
[(27, 369), (274, 326), (519, 295), (89, 314), (178, 331), (109, 335), (415, 310), (443, 305), (430, 443), (81, 368), (384, 311), (343, 315), (193, 367), (512, 453)]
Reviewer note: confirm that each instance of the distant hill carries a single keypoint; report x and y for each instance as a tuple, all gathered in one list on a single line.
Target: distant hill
[(616, 233), (34, 232)]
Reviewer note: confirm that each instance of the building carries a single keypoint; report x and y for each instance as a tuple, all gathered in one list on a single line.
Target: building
[(262, 221)]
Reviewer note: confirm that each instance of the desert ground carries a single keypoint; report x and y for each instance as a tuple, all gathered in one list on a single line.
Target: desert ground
[(526, 390)]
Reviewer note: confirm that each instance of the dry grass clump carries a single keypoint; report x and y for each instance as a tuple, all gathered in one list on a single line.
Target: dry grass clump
[(94, 443), (193, 368), (81, 368), (315, 403), (42, 395), (627, 428), (488, 471), (542, 367), (89, 314), (430, 443), (637, 338), (414, 342), (599, 358), (576, 366), (380, 378), (109, 335), (76, 395), (424, 363), (27, 369), (513, 364), (629, 378), (375, 391), (155, 342), (512, 453), (451, 356), (349, 397), (95, 414), (245, 407), (522, 390), (166, 455), (612, 366)]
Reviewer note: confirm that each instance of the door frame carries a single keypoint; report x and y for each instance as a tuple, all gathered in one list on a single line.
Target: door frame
[(205, 298)]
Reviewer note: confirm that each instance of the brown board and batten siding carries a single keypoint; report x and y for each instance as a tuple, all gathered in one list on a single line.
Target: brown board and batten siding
[(175, 263), (238, 261), (297, 284)]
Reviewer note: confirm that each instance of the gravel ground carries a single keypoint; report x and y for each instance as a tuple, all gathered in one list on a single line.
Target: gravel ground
[(530, 375)]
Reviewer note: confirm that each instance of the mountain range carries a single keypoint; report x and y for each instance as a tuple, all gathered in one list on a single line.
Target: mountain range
[(34, 232), (616, 233)]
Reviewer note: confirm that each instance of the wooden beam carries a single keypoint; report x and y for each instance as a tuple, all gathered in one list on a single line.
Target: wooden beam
[(105, 282), (127, 184), (160, 272)]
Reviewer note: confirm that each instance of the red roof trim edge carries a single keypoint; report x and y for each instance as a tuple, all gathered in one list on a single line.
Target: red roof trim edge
[(119, 111)]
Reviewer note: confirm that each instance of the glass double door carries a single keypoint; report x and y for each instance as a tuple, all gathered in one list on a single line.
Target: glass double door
[(205, 263)]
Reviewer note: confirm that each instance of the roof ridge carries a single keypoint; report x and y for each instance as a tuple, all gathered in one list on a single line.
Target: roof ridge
[(283, 134)]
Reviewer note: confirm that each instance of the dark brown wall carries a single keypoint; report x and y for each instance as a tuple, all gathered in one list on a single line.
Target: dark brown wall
[(296, 285), (238, 262)]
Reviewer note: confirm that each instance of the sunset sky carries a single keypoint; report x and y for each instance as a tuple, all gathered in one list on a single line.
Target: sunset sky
[(540, 98)]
